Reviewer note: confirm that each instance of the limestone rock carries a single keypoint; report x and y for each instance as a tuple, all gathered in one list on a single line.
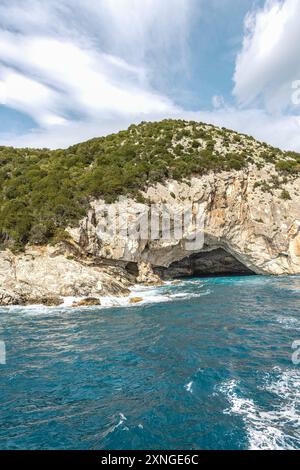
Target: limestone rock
[(44, 275), (146, 274), (135, 300), (47, 301), (245, 229), (91, 302), (260, 229)]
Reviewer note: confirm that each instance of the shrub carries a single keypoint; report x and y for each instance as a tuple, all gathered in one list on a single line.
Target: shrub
[(285, 195)]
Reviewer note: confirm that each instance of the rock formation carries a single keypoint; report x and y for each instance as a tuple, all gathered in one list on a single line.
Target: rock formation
[(245, 230), (259, 231), (46, 275), (243, 197)]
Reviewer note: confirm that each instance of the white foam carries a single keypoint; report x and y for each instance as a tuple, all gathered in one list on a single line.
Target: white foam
[(287, 388), (121, 421), (168, 292), (69, 301), (289, 323), (267, 429), (189, 387), (150, 295)]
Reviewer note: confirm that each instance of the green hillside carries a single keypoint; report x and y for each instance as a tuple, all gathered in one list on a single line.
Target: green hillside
[(43, 191)]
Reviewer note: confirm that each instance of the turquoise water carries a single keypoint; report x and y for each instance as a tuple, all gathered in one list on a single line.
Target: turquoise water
[(206, 364)]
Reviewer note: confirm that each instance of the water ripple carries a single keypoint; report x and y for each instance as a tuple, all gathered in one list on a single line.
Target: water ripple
[(203, 364)]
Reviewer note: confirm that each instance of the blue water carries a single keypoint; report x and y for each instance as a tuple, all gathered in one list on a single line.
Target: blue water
[(206, 366)]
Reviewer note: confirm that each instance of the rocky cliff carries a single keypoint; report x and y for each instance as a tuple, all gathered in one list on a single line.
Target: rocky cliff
[(250, 221), (259, 230), (46, 275), (245, 230)]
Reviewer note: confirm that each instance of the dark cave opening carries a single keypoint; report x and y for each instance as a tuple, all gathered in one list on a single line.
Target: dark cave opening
[(210, 263)]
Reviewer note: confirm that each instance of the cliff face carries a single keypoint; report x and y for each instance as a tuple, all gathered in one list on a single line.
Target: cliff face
[(248, 191), (46, 275), (259, 229), (246, 230)]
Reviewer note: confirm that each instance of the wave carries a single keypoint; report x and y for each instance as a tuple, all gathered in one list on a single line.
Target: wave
[(267, 428), (289, 323), (121, 422), (148, 295), (189, 387), (168, 292)]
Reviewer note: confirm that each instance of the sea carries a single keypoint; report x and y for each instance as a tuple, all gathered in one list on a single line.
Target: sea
[(200, 364)]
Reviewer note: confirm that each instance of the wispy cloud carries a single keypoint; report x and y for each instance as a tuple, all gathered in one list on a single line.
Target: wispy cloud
[(64, 68), (65, 79), (269, 61)]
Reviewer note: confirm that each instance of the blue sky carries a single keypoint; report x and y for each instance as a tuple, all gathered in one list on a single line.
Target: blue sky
[(74, 69)]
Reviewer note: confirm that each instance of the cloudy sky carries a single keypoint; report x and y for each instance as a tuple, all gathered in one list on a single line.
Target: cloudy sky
[(75, 69)]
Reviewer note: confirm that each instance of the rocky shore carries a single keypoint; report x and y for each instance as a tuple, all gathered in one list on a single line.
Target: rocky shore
[(46, 275), (246, 230)]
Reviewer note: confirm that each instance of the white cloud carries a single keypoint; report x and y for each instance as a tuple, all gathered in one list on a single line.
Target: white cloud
[(135, 28), (138, 31), (29, 96), (77, 67), (218, 101), (77, 80), (269, 61)]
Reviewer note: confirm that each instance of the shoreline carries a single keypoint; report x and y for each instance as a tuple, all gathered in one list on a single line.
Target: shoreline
[(141, 294)]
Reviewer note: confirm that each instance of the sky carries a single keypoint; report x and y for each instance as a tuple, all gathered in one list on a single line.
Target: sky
[(71, 70)]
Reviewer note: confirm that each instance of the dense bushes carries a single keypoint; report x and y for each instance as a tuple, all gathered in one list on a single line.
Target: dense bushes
[(43, 191)]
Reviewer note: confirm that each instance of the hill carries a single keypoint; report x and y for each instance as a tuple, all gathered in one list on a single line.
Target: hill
[(43, 191)]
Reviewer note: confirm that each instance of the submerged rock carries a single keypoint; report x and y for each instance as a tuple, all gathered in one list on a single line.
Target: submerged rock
[(135, 300), (87, 303), (176, 282)]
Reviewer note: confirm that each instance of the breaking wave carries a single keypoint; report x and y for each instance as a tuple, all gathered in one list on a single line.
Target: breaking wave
[(275, 428)]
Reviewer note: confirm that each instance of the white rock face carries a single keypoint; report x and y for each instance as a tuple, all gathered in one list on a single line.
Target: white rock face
[(44, 275), (146, 274), (260, 229)]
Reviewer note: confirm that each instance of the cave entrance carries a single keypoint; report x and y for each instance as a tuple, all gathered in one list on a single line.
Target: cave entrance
[(210, 263)]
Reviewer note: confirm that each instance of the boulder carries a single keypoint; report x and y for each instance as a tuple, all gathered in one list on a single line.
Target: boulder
[(91, 302), (135, 300)]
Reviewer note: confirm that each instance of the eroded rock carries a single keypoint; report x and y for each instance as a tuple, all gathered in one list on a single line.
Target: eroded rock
[(146, 275), (259, 229), (135, 300), (91, 302), (47, 301), (46, 275)]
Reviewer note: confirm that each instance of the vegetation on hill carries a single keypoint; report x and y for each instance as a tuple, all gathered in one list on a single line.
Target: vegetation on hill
[(43, 191)]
